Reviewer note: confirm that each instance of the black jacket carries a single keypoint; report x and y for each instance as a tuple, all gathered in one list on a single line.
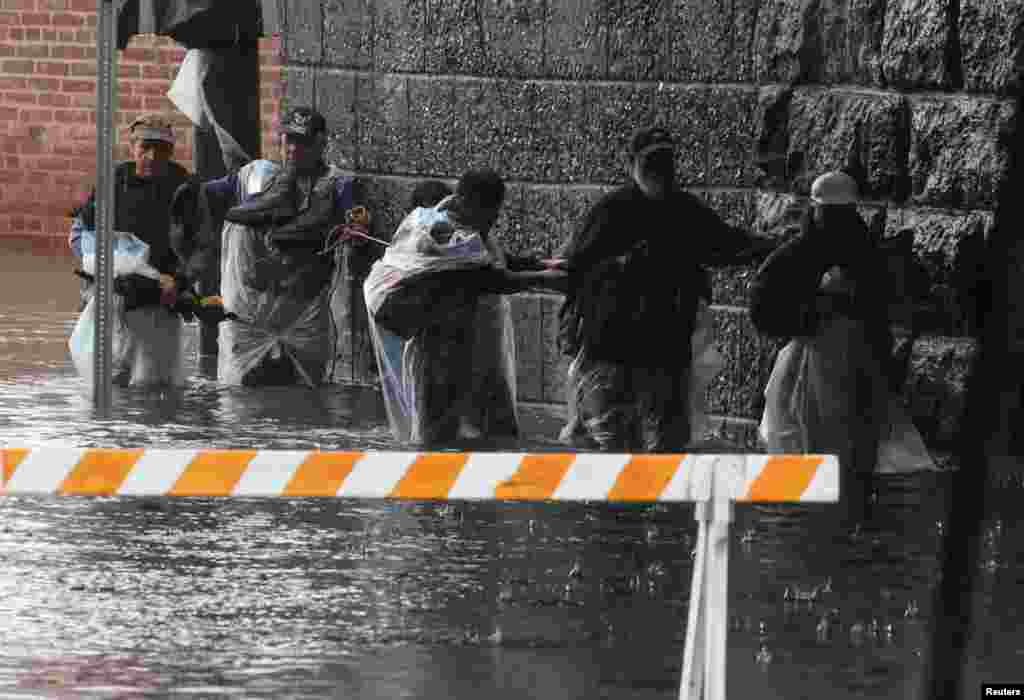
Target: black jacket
[(143, 206), (637, 268)]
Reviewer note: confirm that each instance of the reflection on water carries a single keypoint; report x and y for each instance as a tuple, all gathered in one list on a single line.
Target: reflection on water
[(126, 598)]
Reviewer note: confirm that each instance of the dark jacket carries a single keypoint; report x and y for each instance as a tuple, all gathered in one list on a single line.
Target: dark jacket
[(785, 291), (143, 206), (636, 273)]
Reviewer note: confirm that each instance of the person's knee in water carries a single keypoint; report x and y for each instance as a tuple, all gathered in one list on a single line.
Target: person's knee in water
[(637, 268)]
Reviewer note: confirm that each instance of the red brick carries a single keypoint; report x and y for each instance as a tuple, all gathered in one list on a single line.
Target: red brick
[(33, 51), (17, 66), (131, 102), (19, 4), (80, 68), (69, 52), (37, 116), (8, 113), (35, 18), (51, 68), (58, 5), (137, 54), (10, 18), (48, 84), (23, 98), (7, 83), (68, 19), (78, 86), (129, 71)]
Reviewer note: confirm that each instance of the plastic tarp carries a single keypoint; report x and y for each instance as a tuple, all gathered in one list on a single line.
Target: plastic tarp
[(283, 316), (456, 376), (827, 393), (706, 364), (147, 343)]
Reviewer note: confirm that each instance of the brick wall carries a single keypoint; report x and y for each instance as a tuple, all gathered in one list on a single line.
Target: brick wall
[(763, 94), (48, 101)]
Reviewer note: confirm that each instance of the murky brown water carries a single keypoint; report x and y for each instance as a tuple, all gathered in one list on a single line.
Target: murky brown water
[(320, 598)]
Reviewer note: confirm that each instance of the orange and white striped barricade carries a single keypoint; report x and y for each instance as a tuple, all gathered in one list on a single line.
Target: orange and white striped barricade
[(713, 482)]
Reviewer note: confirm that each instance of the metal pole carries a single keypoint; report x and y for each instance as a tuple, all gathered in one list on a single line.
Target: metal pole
[(106, 93)]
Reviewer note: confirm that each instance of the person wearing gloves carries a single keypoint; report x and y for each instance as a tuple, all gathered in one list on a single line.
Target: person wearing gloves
[(826, 292), (276, 265), (637, 285), (148, 330)]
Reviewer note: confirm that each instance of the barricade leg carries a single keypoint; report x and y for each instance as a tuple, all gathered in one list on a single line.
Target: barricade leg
[(692, 685), (716, 616)]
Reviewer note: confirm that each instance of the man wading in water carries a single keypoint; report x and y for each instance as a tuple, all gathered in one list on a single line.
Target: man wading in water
[(636, 277)]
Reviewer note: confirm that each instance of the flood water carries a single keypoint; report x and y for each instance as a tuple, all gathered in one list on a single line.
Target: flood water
[(324, 598)]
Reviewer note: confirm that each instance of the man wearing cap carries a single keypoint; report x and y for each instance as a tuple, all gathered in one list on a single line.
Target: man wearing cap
[(636, 277), (825, 290), (143, 190), (276, 271)]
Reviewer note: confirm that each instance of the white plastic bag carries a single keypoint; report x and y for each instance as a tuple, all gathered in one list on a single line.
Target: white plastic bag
[(902, 449), (707, 364), (147, 344)]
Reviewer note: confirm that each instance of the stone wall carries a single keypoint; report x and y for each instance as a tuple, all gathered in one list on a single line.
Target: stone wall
[(909, 95)]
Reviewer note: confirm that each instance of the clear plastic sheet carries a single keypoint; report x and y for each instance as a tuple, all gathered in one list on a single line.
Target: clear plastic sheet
[(284, 332), (147, 344)]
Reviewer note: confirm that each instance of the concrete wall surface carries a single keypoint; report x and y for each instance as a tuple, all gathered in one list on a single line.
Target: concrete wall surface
[(909, 95)]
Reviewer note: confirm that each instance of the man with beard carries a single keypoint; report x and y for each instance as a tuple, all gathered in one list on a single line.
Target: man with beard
[(636, 279)]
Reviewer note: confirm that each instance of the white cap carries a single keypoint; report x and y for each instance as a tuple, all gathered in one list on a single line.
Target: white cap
[(834, 188)]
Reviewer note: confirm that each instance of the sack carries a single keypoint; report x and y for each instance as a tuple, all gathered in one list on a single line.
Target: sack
[(131, 255), (901, 449), (422, 280)]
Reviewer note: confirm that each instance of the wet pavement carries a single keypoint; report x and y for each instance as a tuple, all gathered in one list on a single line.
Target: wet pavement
[(318, 598)]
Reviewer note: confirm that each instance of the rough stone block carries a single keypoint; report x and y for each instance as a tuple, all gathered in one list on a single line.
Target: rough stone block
[(709, 40), (526, 315), (956, 159), (348, 33), (866, 135), (433, 125), (383, 111), (731, 121), (739, 434), (615, 111), (495, 126), (714, 130), (738, 391), (551, 214), (508, 230), (686, 109), (947, 247), (559, 133), (302, 40), (919, 44), (515, 37), (576, 39), (546, 222), (935, 389), (336, 100), (556, 365), (388, 201), (638, 40), (821, 41), (990, 43), (455, 40), (398, 31)]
